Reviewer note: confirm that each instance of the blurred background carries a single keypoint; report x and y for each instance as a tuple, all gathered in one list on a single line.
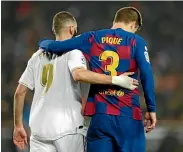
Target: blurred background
[(25, 23)]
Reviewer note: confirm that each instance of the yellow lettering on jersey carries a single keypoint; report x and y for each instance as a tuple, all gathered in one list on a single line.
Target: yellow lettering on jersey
[(47, 76), (119, 41), (111, 40), (114, 61), (115, 40), (103, 39)]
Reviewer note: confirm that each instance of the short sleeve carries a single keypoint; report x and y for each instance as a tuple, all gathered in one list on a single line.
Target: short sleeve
[(27, 78), (76, 60)]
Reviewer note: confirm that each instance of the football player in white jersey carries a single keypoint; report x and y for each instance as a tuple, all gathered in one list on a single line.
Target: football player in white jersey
[(56, 121)]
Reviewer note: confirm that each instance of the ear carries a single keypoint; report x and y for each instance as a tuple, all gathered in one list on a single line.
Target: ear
[(53, 30), (133, 25), (71, 30)]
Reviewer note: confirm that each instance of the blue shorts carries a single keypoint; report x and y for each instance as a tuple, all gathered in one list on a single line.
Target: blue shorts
[(108, 133)]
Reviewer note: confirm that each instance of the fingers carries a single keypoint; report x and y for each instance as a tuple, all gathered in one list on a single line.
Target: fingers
[(19, 144), (135, 82), (128, 73), (126, 81), (24, 137), (25, 140), (132, 87), (151, 127), (145, 122), (20, 137)]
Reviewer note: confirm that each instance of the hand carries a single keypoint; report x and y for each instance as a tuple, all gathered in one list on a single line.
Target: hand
[(134, 81), (19, 137), (150, 117), (125, 81)]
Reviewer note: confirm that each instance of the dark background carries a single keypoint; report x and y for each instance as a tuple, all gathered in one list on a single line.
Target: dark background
[(25, 23)]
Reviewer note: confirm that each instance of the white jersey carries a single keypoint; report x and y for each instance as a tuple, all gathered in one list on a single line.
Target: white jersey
[(56, 106)]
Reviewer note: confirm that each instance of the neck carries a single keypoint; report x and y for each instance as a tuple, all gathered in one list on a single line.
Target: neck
[(122, 26), (63, 37)]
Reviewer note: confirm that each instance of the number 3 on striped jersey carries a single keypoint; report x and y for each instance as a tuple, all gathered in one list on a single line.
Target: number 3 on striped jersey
[(114, 61), (47, 76)]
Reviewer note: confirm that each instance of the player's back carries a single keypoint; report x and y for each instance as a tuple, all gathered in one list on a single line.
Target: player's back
[(112, 52), (56, 105)]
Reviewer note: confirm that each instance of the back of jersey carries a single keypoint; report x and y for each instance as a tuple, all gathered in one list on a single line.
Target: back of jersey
[(112, 53), (56, 107)]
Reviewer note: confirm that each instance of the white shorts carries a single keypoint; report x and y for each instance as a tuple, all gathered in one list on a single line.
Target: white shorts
[(68, 143)]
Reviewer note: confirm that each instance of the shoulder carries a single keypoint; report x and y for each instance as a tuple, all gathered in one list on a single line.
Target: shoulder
[(76, 57), (142, 47), (85, 37), (86, 34), (76, 54), (140, 40), (35, 56), (37, 53), (103, 31)]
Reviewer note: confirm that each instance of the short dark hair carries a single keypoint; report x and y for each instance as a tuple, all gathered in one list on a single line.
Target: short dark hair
[(60, 20), (128, 14)]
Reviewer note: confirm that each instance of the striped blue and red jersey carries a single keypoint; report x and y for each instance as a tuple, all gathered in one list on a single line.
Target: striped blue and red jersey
[(113, 52)]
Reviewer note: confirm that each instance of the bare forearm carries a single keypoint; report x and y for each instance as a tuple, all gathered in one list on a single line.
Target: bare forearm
[(92, 77), (19, 98), (18, 110), (84, 75)]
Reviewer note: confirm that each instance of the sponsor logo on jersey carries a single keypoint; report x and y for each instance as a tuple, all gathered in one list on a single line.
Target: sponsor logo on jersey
[(110, 92)]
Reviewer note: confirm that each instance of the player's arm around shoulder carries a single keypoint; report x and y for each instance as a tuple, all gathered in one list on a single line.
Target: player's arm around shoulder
[(78, 42)]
